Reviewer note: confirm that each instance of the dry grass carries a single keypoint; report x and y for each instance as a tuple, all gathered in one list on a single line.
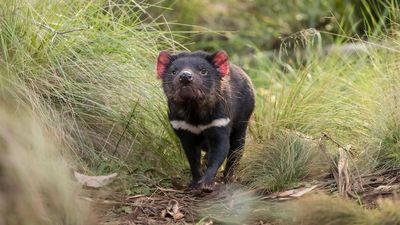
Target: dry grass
[(35, 178), (322, 209)]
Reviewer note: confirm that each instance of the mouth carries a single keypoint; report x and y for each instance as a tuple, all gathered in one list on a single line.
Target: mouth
[(186, 91)]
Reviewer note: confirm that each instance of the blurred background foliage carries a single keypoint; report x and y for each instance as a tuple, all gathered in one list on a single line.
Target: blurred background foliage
[(248, 26)]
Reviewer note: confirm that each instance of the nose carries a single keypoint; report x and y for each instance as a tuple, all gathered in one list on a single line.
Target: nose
[(185, 77)]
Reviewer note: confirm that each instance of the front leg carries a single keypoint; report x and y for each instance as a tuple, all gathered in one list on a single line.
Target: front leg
[(218, 148), (191, 146)]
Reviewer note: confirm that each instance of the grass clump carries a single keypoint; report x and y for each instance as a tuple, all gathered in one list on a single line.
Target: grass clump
[(90, 64), (284, 159), (389, 151), (36, 185), (384, 147), (352, 97)]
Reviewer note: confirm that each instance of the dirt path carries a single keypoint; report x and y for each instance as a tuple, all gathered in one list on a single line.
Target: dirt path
[(233, 203), (229, 203)]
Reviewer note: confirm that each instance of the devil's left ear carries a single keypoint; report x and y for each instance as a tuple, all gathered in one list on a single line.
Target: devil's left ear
[(163, 60), (221, 62)]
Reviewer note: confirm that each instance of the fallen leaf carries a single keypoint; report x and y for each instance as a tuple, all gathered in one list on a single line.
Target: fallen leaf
[(94, 181), (172, 210), (303, 191), (387, 188), (298, 192), (286, 193), (206, 221), (163, 214), (178, 216), (210, 222), (344, 185)]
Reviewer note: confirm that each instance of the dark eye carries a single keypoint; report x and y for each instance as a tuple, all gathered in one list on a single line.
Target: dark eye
[(203, 71), (173, 72)]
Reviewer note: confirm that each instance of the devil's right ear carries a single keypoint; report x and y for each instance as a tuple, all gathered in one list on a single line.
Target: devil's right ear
[(163, 60)]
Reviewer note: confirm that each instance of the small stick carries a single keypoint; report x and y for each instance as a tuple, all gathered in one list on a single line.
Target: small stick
[(126, 128)]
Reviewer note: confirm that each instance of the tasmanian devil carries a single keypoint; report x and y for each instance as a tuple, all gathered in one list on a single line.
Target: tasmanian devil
[(210, 102)]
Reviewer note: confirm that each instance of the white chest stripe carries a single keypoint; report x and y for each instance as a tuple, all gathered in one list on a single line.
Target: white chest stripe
[(183, 125)]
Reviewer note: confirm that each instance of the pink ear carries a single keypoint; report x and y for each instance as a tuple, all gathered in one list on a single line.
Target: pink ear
[(164, 58), (220, 60)]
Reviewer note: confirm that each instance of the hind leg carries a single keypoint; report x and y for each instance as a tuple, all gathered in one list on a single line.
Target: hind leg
[(237, 140)]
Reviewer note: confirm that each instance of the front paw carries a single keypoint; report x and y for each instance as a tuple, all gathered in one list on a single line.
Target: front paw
[(194, 185), (207, 184)]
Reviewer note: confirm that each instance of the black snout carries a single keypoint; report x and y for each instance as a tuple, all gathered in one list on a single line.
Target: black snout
[(185, 77)]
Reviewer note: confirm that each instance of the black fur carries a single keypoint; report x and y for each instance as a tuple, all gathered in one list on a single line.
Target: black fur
[(208, 97)]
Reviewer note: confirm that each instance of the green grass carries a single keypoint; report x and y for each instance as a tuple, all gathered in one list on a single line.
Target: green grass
[(281, 161), (89, 68), (350, 96), (385, 142)]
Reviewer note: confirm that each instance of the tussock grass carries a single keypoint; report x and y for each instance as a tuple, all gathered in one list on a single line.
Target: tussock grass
[(350, 96), (389, 146), (90, 64), (36, 184), (330, 95), (281, 161)]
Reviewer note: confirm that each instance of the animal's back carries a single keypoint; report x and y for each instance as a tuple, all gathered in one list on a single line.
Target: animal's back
[(242, 95)]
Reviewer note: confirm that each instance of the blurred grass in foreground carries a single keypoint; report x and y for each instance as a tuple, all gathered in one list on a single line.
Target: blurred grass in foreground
[(35, 179), (236, 205)]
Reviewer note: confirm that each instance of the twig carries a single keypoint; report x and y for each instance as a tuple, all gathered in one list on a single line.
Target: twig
[(70, 31), (169, 190), (102, 201), (333, 166), (325, 135), (135, 196), (126, 127), (56, 32), (381, 173)]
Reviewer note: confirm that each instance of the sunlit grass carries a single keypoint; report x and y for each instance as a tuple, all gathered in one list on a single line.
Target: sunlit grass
[(281, 161), (91, 66), (350, 96)]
